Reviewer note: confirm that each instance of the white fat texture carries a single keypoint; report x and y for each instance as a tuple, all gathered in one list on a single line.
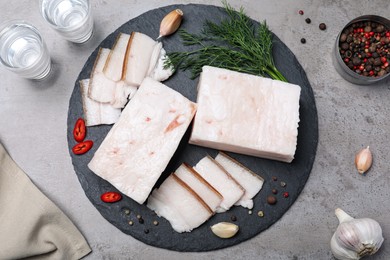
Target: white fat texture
[(221, 181), (158, 72), (179, 206), (209, 196), (250, 181), (114, 64), (246, 114), (96, 113), (138, 147)]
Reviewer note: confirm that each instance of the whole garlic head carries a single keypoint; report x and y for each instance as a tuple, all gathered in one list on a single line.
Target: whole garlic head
[(355, 238)]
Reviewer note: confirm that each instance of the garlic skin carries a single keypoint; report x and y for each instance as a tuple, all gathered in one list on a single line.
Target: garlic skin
[(363, 160), (355, 238), (170, 23)]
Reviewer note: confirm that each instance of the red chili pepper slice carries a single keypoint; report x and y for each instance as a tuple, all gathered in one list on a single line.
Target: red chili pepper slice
[(82, 147), (79, 130), (111, 197)]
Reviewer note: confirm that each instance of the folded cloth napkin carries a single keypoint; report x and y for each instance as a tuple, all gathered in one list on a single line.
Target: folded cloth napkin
[(31, 225)]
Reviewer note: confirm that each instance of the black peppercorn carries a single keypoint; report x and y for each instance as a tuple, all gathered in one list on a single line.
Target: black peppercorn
[(345, 46), (308, 20), (233, 218), (303, 40), (322, 26), (356, 61)]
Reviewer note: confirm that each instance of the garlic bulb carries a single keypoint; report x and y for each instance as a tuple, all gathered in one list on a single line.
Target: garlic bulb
[(355, 238)]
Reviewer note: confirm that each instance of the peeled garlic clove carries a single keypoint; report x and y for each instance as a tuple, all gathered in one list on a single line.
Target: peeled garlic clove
[(363, 160), (224, 229), (170, 23)]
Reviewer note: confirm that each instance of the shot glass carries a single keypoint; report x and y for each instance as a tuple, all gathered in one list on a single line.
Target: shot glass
[(72, 19), (23, 51)]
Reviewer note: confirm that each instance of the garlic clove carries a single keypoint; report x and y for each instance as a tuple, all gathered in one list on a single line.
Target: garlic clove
[(363, 160), (225, 229), (355, 238), (170, 23)]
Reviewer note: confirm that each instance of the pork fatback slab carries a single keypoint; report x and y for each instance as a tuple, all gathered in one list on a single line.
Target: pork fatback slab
[(139, 146), (246, 114)]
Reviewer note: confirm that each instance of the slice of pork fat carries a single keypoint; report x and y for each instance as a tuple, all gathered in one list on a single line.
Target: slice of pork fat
[(113, 68), (101, 88), (250, 181), (96, 113), (179, 204), (137, 59), (246, 114), (197, 183), (221, 180), (139, 146)]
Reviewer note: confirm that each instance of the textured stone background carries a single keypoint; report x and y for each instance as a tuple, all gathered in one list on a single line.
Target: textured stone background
[(33, 129)]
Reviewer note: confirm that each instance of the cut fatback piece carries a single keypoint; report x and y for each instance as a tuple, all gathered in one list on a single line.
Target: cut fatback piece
[(193, 179), (138, 58), (221, 180), (113, 68), (250, 181), (101, 88), (139, 146), (96, 113), (246, 114), (179, 204)]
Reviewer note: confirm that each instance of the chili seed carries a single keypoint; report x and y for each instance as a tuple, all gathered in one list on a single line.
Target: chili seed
[(127, 211), (233, 218), (139, 216), (283, 184), (271, 200), (131, 223), (303, 40), (155, 223), (322, 26), (260, 213), (286, 195), (250, 212)]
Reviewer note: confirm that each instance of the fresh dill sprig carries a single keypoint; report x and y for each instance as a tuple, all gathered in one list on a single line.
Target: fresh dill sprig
[(241, 47)]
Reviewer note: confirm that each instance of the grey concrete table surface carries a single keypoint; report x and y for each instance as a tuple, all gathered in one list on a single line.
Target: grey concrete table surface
[(33, 129)]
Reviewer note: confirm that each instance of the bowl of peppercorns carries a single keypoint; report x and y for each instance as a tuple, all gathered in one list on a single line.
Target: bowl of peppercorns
[(363, 50)]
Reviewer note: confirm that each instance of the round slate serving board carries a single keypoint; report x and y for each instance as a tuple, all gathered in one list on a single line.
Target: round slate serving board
[(294, 175)]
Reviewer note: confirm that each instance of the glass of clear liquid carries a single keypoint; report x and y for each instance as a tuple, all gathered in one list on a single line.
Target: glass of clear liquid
[(72, 19), (23, 51)]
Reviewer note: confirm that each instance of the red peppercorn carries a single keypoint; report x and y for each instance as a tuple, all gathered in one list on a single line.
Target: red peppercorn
[(371, 73), (346, 60), (371, 33), (301, 12), (386, 64), (388, 34), (383, 60), (361, 67), (285, 194)]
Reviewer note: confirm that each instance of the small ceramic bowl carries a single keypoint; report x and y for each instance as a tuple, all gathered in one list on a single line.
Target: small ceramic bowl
[(355, 75)]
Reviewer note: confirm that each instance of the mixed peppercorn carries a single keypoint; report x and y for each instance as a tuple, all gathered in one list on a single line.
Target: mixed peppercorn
[(364, 47)]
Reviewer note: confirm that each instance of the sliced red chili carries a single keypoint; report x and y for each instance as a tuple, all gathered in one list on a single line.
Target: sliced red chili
[(111, 196), (82, 147), (79, 130)]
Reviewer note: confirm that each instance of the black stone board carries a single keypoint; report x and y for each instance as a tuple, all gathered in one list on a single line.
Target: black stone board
[(294, 175)]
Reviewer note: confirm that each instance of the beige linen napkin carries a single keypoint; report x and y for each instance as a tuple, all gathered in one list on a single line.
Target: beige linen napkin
[(31, 225)]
